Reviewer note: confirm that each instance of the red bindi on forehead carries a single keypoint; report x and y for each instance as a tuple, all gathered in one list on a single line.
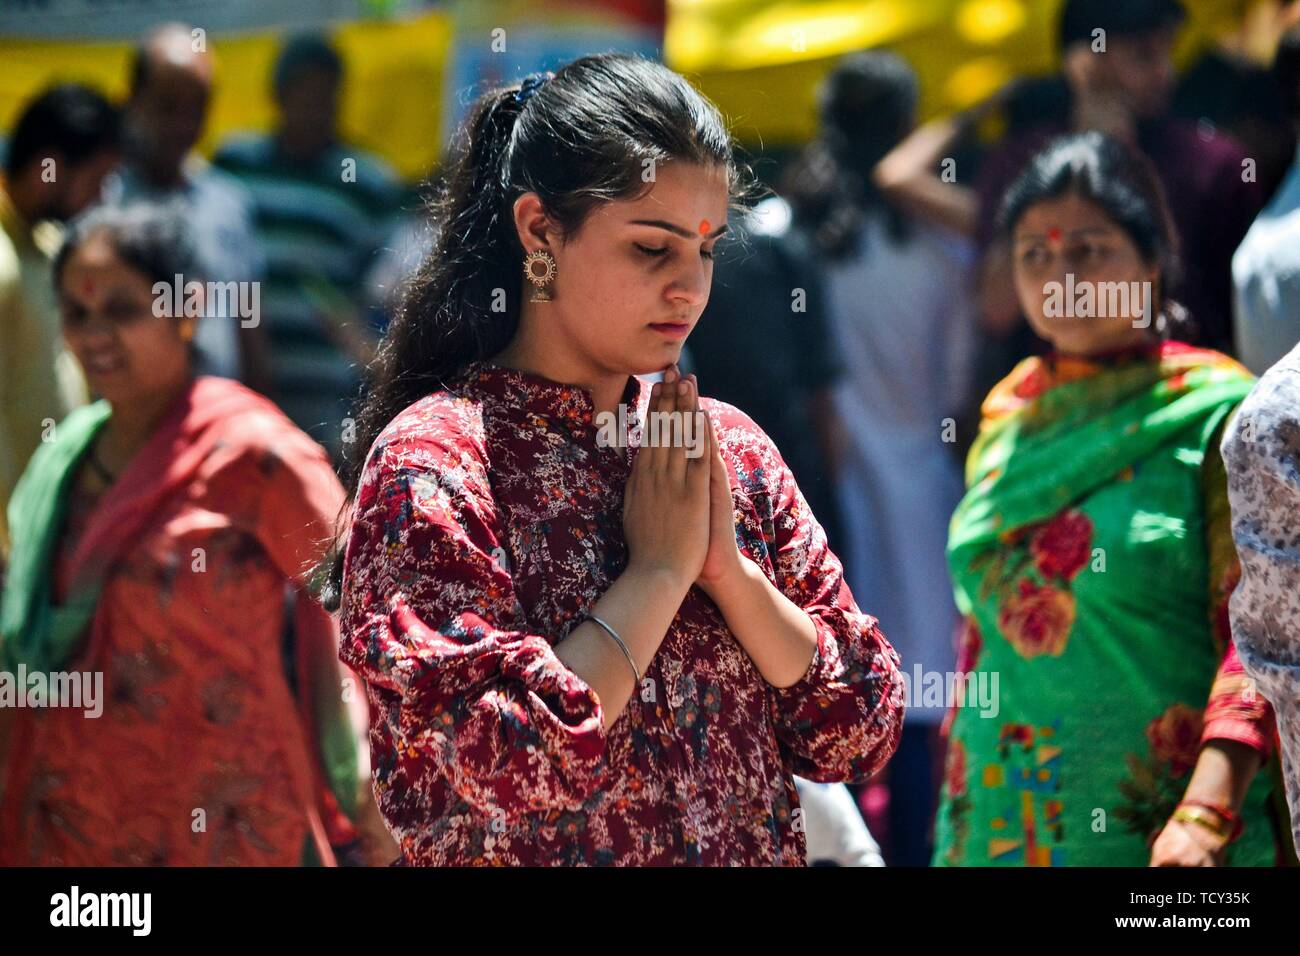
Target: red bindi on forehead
[(88, 286), (1054, 234), (704, 227)]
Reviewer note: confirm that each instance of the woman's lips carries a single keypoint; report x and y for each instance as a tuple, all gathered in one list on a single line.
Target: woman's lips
[(672, 329)]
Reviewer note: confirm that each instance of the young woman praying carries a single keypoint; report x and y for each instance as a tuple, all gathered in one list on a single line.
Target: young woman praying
[(578, 652)]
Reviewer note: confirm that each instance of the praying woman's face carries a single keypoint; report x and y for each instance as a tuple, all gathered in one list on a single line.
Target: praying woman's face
[(632, 282), (126, 351), (1081, 280)]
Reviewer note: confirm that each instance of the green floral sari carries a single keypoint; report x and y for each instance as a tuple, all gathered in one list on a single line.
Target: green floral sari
[(1081, 557)]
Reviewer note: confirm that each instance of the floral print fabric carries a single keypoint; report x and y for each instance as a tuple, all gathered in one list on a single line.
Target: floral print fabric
[(487, 521), (1262, 452)]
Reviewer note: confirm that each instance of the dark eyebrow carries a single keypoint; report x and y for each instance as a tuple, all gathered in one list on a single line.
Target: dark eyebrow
[(678, 230)]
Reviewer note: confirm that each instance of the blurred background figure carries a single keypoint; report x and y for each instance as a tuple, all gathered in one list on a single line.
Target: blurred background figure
[(61, 148), (413, 235), (166, 108), (1126, 733), (323, 210), (836, 833), (1266, 267), (902, 322), (1230, 88), (764, 345), (1119, 78), (155, 541)]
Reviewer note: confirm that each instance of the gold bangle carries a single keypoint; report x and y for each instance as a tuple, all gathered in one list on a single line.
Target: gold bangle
[(1204, 818)]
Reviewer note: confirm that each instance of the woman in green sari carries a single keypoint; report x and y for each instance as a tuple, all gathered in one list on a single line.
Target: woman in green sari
[(1092, 559)]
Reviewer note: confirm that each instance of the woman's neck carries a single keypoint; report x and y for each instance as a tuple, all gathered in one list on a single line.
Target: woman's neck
[(563, 364), (1110, 353), (133, 422)]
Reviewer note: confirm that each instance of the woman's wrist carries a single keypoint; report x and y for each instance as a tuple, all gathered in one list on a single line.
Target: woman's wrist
[(730, 581), (1209, 841), (1215, 824), (658, 578)]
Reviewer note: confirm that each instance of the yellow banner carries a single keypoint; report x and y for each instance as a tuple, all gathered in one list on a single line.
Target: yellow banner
[(761, 60), (392, 96)]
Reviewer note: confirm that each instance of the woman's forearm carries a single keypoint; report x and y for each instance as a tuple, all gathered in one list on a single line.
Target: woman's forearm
[(640, 606), (906, 175), (776, 633), (1224, 771), (917, 154)]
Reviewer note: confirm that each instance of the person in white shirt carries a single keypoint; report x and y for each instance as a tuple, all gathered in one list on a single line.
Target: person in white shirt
[(1266, 266)]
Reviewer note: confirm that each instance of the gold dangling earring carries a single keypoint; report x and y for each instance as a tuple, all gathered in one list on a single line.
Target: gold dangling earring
[(539, 268)]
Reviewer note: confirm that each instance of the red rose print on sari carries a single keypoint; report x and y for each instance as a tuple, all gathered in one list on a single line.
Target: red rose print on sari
[(1175, 737), (1037, 619), (1062, 546), (1156, 780), (1036, 610)]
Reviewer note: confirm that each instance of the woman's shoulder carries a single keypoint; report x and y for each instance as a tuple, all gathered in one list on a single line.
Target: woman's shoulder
[(733, 424), (246, 422), (1174, 353), (747, 450), (253, 448), (442, 431)]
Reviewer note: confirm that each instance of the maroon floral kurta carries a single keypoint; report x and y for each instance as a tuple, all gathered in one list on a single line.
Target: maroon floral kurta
[(488, 520)]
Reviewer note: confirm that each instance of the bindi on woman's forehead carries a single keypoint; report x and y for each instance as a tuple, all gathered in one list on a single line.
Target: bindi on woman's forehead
[(705, 226), (88, 286), (1054, 234)]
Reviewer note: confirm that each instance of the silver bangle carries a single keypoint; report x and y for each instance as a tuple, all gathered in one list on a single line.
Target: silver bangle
[(618, 640)]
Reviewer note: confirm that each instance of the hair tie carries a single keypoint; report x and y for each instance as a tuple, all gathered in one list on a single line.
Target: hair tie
[(532, 83)]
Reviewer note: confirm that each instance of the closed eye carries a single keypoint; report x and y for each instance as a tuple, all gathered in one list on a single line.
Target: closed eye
[(661, 251)]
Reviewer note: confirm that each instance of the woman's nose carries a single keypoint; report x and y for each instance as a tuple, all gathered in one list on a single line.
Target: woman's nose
[(95, 330), (692, 287)]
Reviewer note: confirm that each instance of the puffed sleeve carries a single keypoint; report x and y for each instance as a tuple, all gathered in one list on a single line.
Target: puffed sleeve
[(430, 615), (841, 721)]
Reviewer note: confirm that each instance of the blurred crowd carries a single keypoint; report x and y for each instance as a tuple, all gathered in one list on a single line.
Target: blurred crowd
[(912, 314), (881, 236)]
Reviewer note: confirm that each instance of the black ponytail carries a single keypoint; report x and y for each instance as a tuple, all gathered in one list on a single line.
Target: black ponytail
[(866, 105), (584, 137)]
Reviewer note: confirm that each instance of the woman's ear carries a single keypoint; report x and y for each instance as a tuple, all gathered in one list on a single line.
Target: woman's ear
[(532, 225)]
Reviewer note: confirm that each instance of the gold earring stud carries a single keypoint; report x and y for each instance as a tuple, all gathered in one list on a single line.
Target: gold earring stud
[(539, 268)]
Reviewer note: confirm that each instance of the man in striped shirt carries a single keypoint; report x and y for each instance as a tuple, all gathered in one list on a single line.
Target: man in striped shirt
[(322, 210)]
